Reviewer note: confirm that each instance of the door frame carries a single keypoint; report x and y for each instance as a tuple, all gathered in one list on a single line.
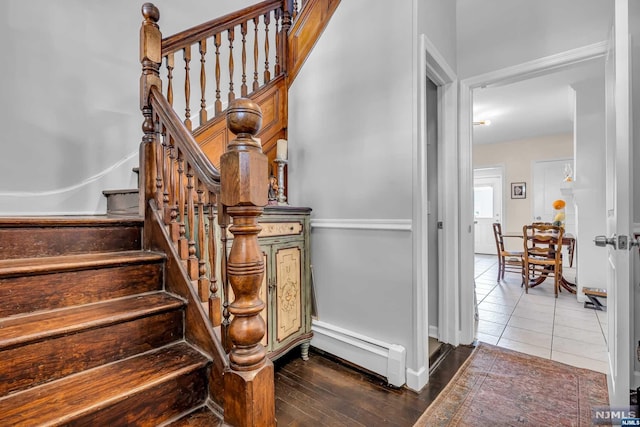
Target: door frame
[(432, 65), (500, 77)]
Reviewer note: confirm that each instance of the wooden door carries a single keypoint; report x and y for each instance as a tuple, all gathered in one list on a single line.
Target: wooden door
[(288, 306)]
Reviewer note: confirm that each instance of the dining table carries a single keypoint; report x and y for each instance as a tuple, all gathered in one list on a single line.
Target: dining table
[(568, 240)]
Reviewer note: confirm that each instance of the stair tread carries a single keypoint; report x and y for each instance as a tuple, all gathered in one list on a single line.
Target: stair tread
[(69, 221), (22, 329), (122, 191), (63, 400), (42, 265)]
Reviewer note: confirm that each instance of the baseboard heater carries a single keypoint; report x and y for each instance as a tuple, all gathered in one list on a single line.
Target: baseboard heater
[(388, 360)]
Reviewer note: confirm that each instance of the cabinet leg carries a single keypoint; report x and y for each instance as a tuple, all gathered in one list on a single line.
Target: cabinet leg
[(304, 350)]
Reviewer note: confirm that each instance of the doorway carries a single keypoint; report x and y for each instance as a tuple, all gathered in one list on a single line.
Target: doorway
[(487, 208)]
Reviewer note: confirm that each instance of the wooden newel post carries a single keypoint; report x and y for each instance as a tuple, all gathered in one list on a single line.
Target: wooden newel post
[(249, 387), (150, 59)]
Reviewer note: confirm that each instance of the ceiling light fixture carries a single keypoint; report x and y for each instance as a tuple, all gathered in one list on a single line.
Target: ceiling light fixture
[(482, 123)]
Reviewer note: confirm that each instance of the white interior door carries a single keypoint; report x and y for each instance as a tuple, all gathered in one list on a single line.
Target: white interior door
[(487, 209), (619, 192), (548, 177)]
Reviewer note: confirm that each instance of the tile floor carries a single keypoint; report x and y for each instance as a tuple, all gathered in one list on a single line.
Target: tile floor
[(537, 323)]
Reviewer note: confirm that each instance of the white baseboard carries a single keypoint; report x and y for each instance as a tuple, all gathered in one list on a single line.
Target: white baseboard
[(388, 360)]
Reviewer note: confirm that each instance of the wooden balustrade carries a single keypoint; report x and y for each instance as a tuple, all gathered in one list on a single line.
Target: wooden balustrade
[(253, 29), (182, 185)]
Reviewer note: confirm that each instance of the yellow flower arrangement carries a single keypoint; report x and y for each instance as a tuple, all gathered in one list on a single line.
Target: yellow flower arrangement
[(559, 204)]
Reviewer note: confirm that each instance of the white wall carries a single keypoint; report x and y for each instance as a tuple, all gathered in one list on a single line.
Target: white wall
[(351, 133), (437, 20), (494, 34), (69, 98), (589, 185)]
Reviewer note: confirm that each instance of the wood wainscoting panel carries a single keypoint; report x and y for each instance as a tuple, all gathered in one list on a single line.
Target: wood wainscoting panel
[(214, 136)]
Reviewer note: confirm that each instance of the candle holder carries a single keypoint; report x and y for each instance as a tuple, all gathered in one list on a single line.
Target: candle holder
[(281, 198)]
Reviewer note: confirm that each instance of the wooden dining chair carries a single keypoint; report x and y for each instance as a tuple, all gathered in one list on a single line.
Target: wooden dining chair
[(509, 261), (542, 254)]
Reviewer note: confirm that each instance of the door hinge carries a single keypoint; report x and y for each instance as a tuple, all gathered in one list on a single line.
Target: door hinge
[(440, 225)]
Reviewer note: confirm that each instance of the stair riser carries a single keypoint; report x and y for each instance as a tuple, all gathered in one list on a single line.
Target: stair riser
[(48, 360), (152, 406), (26, 242), (50, 291)]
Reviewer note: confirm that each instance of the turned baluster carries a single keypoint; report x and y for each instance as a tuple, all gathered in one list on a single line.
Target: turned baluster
[(223, 221), (243, 31), (295, 8), (203, 282), (283, 37), (170, 64), (183, 243), (214, 297), (217, 43), (256, 85), (230, 34), (187, 87), (192, 260), (174, 225), (267, 73), (278, 17), (159, 196), (243, 181), (203, 82)]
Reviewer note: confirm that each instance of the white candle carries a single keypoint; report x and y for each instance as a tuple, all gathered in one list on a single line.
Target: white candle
[(281, 149)]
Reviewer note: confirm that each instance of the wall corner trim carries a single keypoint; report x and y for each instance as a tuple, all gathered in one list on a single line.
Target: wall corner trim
[(383, 358), (416, 380)]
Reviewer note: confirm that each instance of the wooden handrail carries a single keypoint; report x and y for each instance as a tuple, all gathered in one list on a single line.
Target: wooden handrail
[(204, 169), (195, 34)]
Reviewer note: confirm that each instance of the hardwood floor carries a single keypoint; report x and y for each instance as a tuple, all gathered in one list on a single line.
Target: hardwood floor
[(324, 391)]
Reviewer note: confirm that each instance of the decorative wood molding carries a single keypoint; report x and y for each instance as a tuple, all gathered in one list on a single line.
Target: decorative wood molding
[(377, 356), (363, 224)]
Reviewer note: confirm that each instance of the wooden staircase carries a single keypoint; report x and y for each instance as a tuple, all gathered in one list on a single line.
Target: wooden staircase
[(88, 334)]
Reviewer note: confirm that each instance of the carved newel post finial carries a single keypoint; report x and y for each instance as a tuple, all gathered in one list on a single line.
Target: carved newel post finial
[(244, 191), (244, 183)]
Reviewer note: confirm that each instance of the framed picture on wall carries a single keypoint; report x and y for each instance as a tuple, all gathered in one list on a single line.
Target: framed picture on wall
[(518, 190)]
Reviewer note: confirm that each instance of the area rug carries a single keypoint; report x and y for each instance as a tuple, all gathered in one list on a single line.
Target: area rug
[(501, 387)]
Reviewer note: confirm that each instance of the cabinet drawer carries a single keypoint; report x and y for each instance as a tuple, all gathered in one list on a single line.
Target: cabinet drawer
[(272, 229), (275, 229)]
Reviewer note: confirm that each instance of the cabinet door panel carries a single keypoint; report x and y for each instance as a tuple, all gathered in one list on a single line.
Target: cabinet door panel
[(288, 264)]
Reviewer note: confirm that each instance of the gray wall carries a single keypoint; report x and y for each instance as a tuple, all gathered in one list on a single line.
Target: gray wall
[(69, 98), (351, 132), (495, 34)]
